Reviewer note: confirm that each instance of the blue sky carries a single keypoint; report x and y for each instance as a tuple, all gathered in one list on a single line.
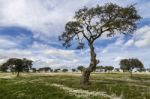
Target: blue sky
[(30, 29)]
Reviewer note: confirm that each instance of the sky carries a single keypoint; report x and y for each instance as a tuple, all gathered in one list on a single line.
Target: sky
[(30, 29)]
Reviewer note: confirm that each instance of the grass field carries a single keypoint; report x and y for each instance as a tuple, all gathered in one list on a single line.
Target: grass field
[(67, 86)]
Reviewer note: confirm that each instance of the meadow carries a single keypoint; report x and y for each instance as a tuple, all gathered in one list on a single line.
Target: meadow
[(67, 86)]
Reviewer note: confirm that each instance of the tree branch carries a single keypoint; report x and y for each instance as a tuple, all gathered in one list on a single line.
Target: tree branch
[(85, 36)]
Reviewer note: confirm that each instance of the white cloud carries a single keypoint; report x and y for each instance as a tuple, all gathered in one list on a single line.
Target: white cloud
[(6, 43), (59, 58), (119, 41), (48, 17), (38, 16), (129, 43), (58, 52), (141, 37), (43, 55), (118, 59), (105, 51)]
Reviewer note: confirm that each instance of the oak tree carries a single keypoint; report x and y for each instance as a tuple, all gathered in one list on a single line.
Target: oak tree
[(19, 65), (80, 68), (89, 24), (130, 64)]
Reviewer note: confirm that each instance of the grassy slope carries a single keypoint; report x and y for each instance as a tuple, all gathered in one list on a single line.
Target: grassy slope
[(36, 86)]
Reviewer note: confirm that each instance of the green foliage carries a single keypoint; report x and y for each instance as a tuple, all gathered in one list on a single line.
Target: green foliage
[(80, 68), (100, 67), (73, 70), (109, 68), (45, 69), (91, 23), (4, 67), (17, 65), (65, 70), (56, 70), (130, 64), (27, 64), (33, 70), (106, 68)]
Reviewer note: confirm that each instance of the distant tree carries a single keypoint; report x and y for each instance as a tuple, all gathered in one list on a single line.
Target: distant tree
[(130, 64), (73, 70), (117, 69), (27, 64), (101, 68), (47, 69), (80, 68), (18, 65), (108, 68), (65, 70), (4, 67), (40, 69), (33, 70), (148, 69), (141, 69), (56, 70), (51, 70), (89, 24)]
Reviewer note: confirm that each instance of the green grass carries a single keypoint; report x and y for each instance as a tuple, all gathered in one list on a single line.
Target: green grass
[(38, 86)]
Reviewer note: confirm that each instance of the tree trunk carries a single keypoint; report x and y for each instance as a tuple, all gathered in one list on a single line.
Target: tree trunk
[(87, 71), (131, 74), (85, 77), (18, 74)]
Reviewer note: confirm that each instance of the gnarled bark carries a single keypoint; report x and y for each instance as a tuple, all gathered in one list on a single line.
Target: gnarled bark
[(87, 71)]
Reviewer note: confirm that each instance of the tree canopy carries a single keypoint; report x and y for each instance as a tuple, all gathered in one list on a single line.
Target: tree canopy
[(91, 23), (73, 70), (65, 70), (106, 68), (4, 67), (80, 68), (130, 64), (18, 65)]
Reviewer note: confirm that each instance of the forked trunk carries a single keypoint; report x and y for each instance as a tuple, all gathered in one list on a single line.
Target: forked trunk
[(87, 71)]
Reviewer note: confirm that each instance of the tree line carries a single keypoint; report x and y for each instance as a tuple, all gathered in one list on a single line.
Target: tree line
[(16, 65)]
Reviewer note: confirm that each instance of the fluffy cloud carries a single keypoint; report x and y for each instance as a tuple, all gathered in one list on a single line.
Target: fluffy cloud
[(129, 43), (6, 43), (118, 59), (141, 37), (50, 14), (44, 55)]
